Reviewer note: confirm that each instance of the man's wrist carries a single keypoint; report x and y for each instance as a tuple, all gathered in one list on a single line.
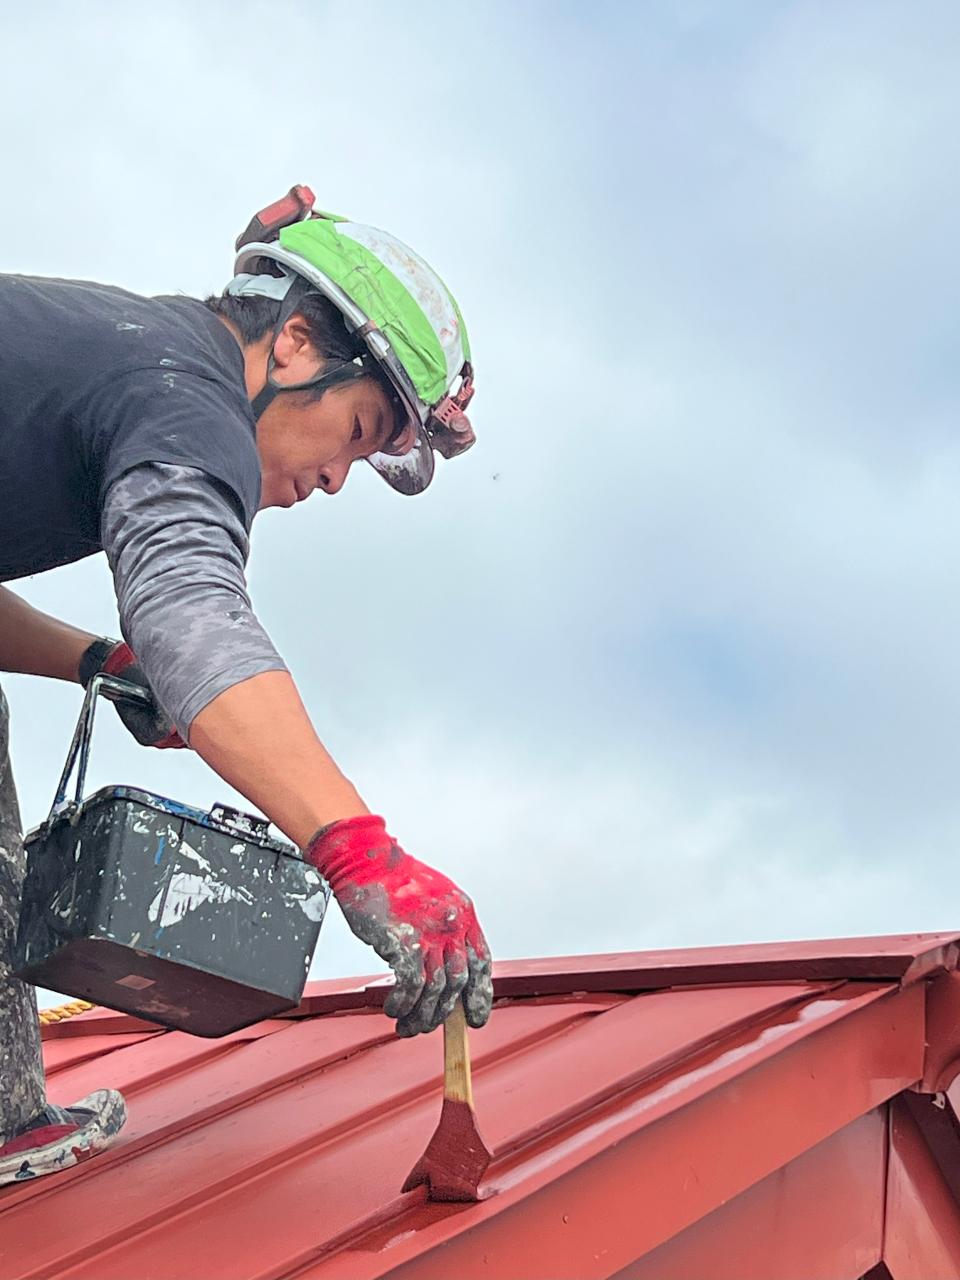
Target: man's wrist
[(93, 658), (350, 821), (336, 844)]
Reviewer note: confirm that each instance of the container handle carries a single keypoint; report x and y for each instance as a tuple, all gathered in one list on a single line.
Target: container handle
[(77, 755)]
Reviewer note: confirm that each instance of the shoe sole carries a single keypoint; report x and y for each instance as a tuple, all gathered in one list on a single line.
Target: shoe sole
[(109, 1114)]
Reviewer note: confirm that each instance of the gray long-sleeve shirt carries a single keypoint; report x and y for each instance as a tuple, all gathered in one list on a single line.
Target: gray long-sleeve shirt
[(177, 549)]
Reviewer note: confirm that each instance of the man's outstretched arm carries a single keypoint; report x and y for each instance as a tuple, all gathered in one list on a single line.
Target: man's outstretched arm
[(258, 737), (177, 550)]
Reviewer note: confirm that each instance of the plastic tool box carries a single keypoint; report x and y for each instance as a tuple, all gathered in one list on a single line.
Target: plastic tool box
[(203, 922)]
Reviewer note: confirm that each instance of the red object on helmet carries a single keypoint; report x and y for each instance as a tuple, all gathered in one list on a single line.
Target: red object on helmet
[(295, 206)]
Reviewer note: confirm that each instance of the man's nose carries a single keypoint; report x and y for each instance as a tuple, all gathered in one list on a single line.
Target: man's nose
[(333, 476)]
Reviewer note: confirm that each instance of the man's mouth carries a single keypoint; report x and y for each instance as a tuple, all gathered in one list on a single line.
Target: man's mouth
[(303, 490)]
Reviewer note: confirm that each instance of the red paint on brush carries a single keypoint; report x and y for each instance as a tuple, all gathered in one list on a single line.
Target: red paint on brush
[(455, 1159)]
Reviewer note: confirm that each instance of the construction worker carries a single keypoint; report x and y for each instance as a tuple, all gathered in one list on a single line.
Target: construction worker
[(154, 429)]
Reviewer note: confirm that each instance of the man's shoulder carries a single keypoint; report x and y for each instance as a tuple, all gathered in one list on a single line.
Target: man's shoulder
[(96, 331), (63, 302)]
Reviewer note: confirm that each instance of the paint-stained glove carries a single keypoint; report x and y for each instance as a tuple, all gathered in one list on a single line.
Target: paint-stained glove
[(413, 917), (148, 724)]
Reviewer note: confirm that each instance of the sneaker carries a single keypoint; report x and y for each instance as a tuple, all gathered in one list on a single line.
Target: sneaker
[(62, 1136)]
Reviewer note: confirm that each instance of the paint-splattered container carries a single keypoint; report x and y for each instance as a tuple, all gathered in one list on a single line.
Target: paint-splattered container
[(203, 922)]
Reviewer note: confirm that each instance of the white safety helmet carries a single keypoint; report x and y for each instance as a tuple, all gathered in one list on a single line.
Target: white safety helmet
[(390, 299)]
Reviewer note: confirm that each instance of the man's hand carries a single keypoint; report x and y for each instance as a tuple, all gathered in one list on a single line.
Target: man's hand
[(415, 919), (148, 724)]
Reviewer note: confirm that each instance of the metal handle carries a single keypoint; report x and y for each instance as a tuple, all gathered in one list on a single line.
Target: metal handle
[(118, 690)]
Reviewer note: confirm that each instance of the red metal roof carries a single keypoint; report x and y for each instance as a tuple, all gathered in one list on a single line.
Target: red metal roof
[(754, 1111)]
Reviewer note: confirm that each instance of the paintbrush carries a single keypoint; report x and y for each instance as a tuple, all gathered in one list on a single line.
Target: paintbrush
[(456, 1158)]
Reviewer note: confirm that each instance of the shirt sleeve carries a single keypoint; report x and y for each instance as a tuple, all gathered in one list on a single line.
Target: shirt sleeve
[(177, 549)]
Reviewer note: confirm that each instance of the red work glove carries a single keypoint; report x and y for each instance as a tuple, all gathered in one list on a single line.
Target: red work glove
[(413, 917), (149, 725)]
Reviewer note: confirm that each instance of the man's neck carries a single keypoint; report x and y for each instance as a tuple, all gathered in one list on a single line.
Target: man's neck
[(255, 355)]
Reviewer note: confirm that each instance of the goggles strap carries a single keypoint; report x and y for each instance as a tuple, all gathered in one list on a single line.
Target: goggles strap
[(345, 372)]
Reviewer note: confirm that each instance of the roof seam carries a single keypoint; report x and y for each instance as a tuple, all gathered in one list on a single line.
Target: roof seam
[(682, 1061)]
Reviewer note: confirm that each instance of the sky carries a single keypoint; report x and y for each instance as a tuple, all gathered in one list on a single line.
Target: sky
[(669, 658)]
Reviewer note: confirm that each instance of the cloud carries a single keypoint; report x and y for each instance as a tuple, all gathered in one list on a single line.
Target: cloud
[(669, 657)]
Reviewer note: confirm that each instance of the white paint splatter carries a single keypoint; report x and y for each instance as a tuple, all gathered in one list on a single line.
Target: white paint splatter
[(186, 892), (314, 907), (188, 851)]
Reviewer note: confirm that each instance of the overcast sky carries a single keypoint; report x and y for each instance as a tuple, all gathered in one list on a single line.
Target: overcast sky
[(670, 657)]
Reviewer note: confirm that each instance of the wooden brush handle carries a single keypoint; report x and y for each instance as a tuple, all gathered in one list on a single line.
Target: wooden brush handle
[(456, 1058)]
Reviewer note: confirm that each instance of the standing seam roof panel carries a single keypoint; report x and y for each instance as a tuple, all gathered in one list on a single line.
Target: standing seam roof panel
[(279, 1151)]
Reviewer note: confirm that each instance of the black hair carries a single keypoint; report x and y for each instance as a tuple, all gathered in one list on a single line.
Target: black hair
[(256, 317)]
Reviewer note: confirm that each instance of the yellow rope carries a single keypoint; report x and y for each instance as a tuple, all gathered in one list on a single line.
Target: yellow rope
[(64, 1011)]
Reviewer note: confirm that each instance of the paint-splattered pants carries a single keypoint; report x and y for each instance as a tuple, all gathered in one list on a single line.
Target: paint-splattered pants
[(22, 1092)]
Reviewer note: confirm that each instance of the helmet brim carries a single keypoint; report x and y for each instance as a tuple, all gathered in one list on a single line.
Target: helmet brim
[(411, 472)]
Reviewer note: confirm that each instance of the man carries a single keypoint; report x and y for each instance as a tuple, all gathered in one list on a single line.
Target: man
[(154, 429)]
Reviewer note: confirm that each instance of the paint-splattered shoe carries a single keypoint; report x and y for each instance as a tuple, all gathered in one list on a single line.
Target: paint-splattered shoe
[(62, 1136)]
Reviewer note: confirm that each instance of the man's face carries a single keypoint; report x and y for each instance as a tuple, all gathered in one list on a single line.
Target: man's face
[(307, 443)]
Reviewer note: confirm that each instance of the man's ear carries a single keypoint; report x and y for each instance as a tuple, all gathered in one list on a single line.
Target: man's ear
[(293, 341)]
